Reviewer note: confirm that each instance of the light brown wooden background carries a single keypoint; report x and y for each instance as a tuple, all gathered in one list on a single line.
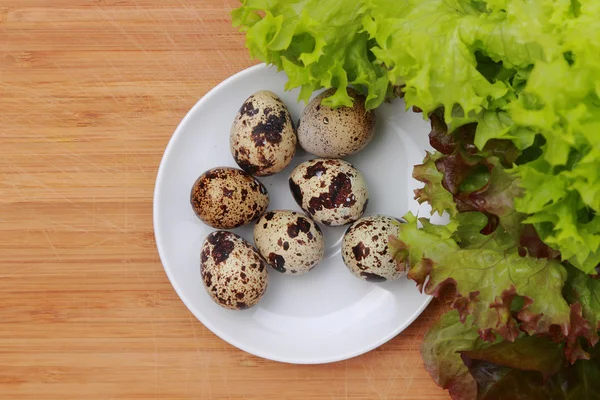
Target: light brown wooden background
[(90, 93)]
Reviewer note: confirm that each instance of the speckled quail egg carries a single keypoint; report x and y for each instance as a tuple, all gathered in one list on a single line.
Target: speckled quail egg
[(332, 192), (366, 251), (226, 198), (262, 138), (290, 241), (233, 273), (329, 132)]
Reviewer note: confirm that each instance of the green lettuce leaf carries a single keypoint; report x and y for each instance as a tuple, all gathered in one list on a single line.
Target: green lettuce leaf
[(424, 46), (476, 179), (319, 44), (487, 282), (440, 351), (499, 125), (562, 187), (433, 192), (559, 214), (468, 234), (530, 368), (585, 290), (515, 70), (512, 89)]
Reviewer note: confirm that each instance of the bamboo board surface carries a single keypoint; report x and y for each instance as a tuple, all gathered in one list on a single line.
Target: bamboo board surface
[(90, 93)]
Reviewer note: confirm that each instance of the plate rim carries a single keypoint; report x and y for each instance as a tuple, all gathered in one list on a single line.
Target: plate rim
[(168, 269)]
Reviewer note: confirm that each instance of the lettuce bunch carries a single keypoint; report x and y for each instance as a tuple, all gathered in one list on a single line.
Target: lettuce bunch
[(512, 90)]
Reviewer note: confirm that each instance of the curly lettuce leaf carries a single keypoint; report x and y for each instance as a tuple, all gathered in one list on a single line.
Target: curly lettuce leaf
[(559, 213), (513, 94), (499, 125), (515, 70), (530, 368), (424, 49), (476, 179), (319, 44), (440, 351), (494, 197), (583, 292), (468, 234), (433, 192), (530, 243), (503, 291)]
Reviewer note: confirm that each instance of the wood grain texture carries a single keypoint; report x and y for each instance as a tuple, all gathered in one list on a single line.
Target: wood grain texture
[(90, 93)]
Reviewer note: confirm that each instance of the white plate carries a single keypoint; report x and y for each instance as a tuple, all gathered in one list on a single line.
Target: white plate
[(326, 315)]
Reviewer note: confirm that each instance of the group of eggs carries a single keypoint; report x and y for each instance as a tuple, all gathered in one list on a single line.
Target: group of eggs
[(329, 190)]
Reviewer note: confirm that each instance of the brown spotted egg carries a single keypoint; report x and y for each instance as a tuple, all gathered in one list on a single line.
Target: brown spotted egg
[(262, 138), (233, 273), (290, 241), (226, 198), (339, 132), (366, 251), (332, 192)]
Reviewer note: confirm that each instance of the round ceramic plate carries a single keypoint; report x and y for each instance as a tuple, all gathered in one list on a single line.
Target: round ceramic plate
[(328, 314)]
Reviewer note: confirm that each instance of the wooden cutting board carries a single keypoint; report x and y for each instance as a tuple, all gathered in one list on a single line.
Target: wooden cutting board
[(90, 93)]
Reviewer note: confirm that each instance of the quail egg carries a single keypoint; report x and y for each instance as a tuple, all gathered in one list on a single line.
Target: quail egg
[(226, 198), (290, 241), (366, 251), (332, 192), (262, 138), (332, 133), (233, 273)]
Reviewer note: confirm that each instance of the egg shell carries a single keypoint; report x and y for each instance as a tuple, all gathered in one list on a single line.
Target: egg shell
[(328, 132), (227, 198), (366, 251), (233, 273), (332, 192), (291, 242), (262, 138)]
